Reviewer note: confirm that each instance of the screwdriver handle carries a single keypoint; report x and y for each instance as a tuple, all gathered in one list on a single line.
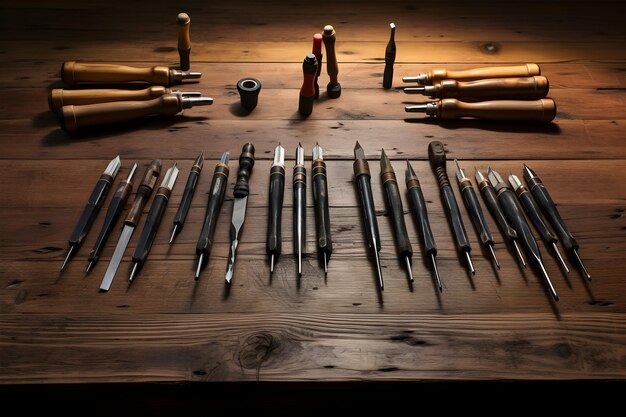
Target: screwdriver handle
[(184, 40), (143, 193), (317, 51), (299, 208), (515, 216), (216, 197), (151, 226), (394, 204), (418, 205), (390, 58), (332, 67), (185, 201), (534, 214), (490, 199), (521, 88), (541, 110), (476, 213), (74, 73), (246, 163), (526, 70), (320, 201), (60, 97), (274, 221), (369, 211), (97, 197), (307, 91)]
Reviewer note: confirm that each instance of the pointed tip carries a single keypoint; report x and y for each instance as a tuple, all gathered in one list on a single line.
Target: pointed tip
[(67, 258), (132, 273), (357, 145), (272, 264), (173, 234), (89, 266)]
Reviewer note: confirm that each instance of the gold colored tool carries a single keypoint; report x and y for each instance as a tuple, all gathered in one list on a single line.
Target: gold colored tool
[(74, 73), (427, 78), (449, 108), (520, 88)]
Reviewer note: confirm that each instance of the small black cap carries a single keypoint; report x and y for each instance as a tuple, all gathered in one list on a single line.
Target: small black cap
[(249, 89)]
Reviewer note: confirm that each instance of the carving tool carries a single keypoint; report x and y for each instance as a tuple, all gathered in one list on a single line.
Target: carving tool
[(320, 203), (333, 89), (277, 192), (185, 202), (317, 51), (427, 78), (521, 88), (390, 58), (307, 91), (299, 207), (74, 73), (184, 40)]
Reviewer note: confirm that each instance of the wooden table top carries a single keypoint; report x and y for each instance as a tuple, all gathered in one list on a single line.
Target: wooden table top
[(57, 328)]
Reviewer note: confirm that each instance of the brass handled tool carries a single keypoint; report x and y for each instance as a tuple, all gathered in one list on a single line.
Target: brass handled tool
[(437, 157), (184, 40), (317, 51), (74, 73), (475, 211), (97, 197), (394, 206), (418, 206), (299, 207), (539, 190), (113, 213), (368, 210), (521, 88), (132, 220), (216, 197), (59, 97), (277, 192), (320, 203), (73, 118), (543, 110), (190, 190), (427, 78), (515, 216), (333, 89), (241, 192), (390, 57), (307, 91)]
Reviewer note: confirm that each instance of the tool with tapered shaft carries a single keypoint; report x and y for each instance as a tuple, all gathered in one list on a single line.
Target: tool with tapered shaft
[(394, 206), (515, 216), (185, 202), (113, 213), (437, 157), (132, 220), (390, 57), (299, 207), (475, 211), (521, 88), (211, 216), (184, 40), (543, 110), (418, 206), (427, 78), (534, 214), (94, 203), (539, 190), (277, 193), (307, 91), (155, 214), (74, 73), (317, 51), (241, 192), (491, 200), (333, 89), (368, 210), (320, 203)]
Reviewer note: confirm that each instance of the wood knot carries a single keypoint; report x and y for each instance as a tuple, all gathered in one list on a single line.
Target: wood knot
[(257, 349), (489, 48)]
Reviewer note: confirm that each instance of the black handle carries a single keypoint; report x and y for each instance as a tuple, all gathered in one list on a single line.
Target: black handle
[(534, 214), (369, 211), (547, 204), (274, 221), (513, 212), (299, 207), (97, 197), (216, 197), (456, 221), (394, 205), (390, 59), (322, 214), (246, 162), (476, 214), (418, 205), (152, 225), (489, 196), (185, 202)]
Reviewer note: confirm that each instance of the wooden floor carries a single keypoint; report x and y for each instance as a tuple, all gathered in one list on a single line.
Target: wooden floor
[(499, 325)]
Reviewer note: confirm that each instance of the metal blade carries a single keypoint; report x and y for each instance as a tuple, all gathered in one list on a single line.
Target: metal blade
[(116, 259), (238, 218)]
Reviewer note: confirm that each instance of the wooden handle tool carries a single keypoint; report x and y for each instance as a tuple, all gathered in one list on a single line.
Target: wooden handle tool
[(74, 73), (448, 108), (428, 78), (184, 41), (521, 88), (333, 89)]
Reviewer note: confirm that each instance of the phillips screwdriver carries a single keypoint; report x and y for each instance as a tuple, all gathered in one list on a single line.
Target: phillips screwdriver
[(475, 211), (185, 202), (216, 197), (515, 216), (437, 157), (418, 206), (543, 110), (97, 197), (390, 57), (320, 202), (277, 193), (184, 40), (521, 88), (539, 190), (427, 78), (394, 205), (368, 210), (74, 73), (534, 214), (155, 214), (490, 198), (113, 213), (299, 207)]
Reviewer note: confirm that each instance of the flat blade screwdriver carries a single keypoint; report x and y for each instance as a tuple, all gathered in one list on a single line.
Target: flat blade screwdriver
[(277, 194), (185, 202), (211, 216), (394, 205), (418, 206), (437, 157), (299, 207), (476, 213), (539, 190), (97, 197), (320, 203)]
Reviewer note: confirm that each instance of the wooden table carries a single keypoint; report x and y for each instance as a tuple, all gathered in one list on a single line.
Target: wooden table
[(57, 328)]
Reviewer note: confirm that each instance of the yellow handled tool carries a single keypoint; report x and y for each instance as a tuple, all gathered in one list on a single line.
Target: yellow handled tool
[(448, 108), (74, 73), (427, 78)]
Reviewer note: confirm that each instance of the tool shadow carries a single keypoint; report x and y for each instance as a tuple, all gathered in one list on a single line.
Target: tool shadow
[(504, 126)]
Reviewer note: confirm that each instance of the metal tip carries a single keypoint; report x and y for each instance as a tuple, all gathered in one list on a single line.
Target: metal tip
[(359, 153), (479, 176), (199, 160), (299, 263), (469, 263), (229, 274), (419, 108), (436, 271), (407, 261), (300, 155), (133, 272), (325, 264), (384, 161), (188, 75), (581, 264), (528, 173), (225, 158), (414, 90), (199, 267), (379, 270), (459, 171), (493, 256), (546, 277), (519, 254), (318, 153), (392, 26), (514, 181), (272, 263), (131, 174), (89, 266), (560, 258), (409, 171), (173, 233), (113, 167), (67, 257)]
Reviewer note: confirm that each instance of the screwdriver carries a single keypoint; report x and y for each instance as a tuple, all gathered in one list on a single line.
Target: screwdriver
[(390, 58), (97, 197), (320, 202), (543, 110), (216, 197), (74, 73), (113, 213), (183, 21), (490, 198), (513, 212), (394, 205), (427, 78), (299, 206), (437, 157), (277, 193), (476, 213), (534, 214), (418, 206), (368, 210), (155, 214), (333, 88), (317, 51), (538, 189), (307, 91), (185, 202), (522, 88)]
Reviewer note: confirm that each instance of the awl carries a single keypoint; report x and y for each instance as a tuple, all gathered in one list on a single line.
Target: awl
[(185, 202)]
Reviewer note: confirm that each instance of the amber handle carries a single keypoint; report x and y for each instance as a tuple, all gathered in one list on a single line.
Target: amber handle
[(526, 70), (542, 110), (72, 118), (74, 73), (521, 88), (143, 193), (59, 97)]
